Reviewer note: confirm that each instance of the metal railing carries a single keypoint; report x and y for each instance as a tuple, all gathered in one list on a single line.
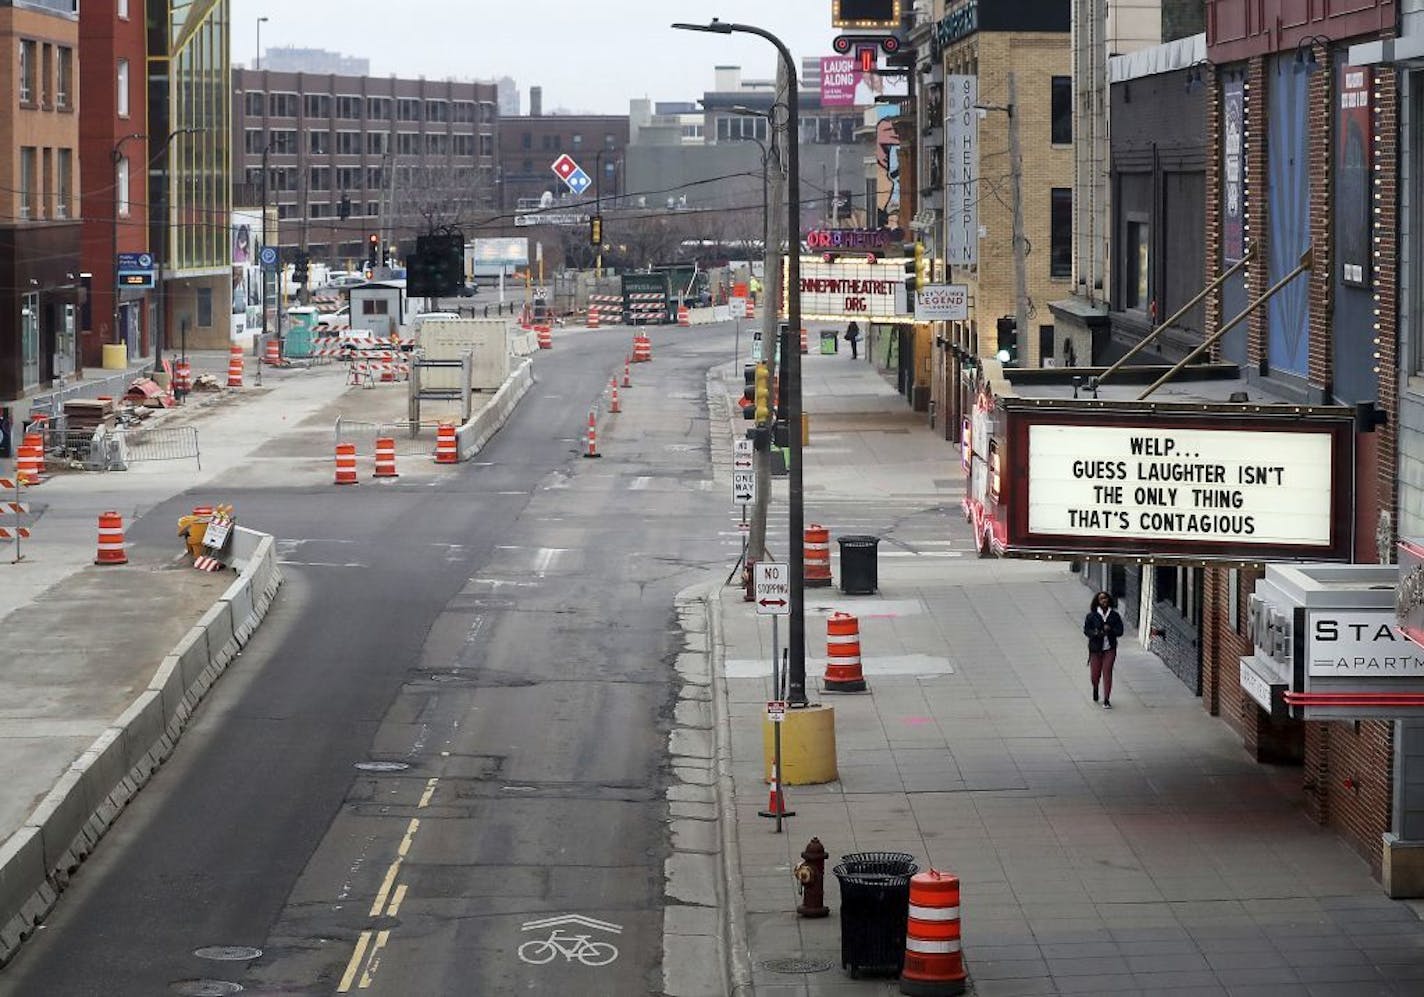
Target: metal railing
[(364, 435), (51, 403), (138, 445), (86, 447)]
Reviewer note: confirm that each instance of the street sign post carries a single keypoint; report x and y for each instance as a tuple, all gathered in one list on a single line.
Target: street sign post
[(742, 450), (776, 711), (267, 256)]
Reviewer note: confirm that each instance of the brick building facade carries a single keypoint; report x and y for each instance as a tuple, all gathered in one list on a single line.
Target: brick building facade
[(529, 145), (1286, 179)]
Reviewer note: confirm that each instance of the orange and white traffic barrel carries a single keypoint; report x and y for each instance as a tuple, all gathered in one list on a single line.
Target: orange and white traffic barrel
[(843, 668), (447, 446), (642, 349), (234, 366), (182, 377), (817, 556), (804, 348), (30, 460), (385, 458), (593, 316), (684, 317), (346, 463), (934, 955), (111, 540), (545, 336), (273, 355)]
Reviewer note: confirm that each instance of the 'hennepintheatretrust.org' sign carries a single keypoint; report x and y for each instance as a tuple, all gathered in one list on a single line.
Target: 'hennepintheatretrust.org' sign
[(1220, 485), (845, 290)]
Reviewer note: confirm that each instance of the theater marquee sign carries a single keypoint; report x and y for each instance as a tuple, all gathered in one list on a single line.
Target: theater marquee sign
[(1166, 483), (844, 290)]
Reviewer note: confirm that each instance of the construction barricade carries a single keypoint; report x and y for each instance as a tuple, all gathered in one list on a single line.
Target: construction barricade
[(345, 463), (111, 540), (934, 953), (234, 366), (545, 337), (447, 447), (844, 672), (604, 309), (12, 504), (646, 307), (642, 349), (385, 458), (817, 556)]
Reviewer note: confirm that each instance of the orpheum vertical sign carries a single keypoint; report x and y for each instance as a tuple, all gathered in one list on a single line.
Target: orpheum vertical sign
[(961, 170)]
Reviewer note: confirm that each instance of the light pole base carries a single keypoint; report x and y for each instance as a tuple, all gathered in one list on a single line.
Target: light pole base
[(808, 746)]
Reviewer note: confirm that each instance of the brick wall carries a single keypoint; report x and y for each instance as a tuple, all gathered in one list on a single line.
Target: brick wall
[(1348, 781), (1320, 149), (1256, 271)]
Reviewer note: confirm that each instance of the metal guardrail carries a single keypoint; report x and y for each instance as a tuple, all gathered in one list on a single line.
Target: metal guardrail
[(365, 434), (137, 445), (51, 403), (88, 447)]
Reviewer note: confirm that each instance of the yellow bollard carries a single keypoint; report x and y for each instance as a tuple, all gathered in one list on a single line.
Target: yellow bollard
[(808, 746), (805, 429)]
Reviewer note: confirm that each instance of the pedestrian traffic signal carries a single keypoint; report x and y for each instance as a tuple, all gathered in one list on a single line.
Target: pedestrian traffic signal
[(300, 271), (1007, 329), (373, 250)]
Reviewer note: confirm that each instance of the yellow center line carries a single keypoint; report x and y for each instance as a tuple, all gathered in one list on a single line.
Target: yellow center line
[(385, 890), (429, 792), (409, 836), (375, 961), (350, 974), (396, 899)]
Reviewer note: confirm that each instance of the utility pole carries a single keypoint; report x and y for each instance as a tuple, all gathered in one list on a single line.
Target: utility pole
[(770, 311), (1020, 262)]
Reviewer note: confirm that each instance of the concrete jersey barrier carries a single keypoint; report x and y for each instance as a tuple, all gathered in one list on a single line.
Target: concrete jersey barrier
[(37, 861), (473, 435)]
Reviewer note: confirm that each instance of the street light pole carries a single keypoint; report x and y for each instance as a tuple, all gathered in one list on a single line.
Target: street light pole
[(164, 255), (117, 157), (598, 212), (257, 59), (796, 693)]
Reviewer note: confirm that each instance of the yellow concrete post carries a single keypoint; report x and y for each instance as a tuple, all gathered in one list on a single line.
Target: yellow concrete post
[(808, 746)]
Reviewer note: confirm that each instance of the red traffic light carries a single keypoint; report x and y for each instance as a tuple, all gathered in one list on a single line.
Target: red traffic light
[(374, 239)]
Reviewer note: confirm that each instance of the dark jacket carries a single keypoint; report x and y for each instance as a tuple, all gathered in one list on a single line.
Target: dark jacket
[(1102, 634)]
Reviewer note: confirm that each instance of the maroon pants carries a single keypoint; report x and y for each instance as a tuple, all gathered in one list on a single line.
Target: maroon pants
[(1100, 666)]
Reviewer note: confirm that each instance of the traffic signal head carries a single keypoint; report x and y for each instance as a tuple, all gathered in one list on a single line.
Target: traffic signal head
[(300, 270), (595, 230), (373, 249), (911, 271), (922, 266), (763, 395), (1008, 335)]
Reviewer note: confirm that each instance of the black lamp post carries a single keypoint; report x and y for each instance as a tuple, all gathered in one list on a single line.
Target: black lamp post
[(116, 156), (796, 693)]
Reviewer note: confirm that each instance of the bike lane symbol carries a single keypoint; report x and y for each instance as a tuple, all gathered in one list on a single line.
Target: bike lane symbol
[(569, 944)]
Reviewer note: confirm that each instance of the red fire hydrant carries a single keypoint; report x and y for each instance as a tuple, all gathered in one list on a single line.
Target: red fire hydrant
[(811, 874)]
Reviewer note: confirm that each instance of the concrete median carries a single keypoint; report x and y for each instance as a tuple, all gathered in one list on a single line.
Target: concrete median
[(473, 435), (37, 861)]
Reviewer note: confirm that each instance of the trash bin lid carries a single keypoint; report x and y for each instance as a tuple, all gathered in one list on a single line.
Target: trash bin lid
[(876, 868), (858, 540)]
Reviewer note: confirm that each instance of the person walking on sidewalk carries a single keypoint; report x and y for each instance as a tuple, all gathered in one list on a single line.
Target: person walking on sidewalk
[(1102, 626), (852, 336)]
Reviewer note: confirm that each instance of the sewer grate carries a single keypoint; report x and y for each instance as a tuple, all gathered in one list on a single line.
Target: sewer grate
[(228, 953), (794, 965), (205, 988)]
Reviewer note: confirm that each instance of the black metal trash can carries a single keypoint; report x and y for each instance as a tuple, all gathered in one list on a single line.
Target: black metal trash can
[(860, 574), (875, 903)]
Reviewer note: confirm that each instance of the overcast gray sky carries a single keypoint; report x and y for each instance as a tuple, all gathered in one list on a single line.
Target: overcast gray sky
[(587, 55)]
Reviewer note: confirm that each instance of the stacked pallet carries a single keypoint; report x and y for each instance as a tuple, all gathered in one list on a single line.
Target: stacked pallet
[(84, 415)]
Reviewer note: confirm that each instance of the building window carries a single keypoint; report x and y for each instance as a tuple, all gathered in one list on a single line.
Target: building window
[(1060, 233), (319, 142), (373, 209), (282, 105), (253, 103), (348, 108), (319, 209), (64, 182), (378, 108), (408, 143), (319, 178), (348, 178), (27, 72), (526, 141), (29, 157), (1062, 124), (121, 187), (377, 143), (463, 112), (124, 9), (317, 105), (578, 141), (348, 143), (46, 75), (121, 94), (1137, 264), (375, 178), (30, 340), (437, 110), (407, 109), (64, 86), (47, 182), (486, 145), (1233, 599), (284, 143), (205, 307)]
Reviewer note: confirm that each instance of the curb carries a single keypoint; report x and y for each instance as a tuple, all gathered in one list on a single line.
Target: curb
[(38, 861)]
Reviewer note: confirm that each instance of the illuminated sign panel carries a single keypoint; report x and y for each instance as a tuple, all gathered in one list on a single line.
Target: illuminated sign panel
[(844, 290), (1219, 486), (883, 14)]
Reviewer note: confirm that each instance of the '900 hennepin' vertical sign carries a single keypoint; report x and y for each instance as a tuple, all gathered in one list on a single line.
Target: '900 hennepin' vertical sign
[(1224, 486)]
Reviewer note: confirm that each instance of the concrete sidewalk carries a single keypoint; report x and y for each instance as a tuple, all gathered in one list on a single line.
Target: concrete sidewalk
[(1137, 850)]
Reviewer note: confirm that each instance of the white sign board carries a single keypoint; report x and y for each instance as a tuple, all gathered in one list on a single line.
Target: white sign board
[(961, 170), (1255, 686), (776, 711), (844, 290), (743, 485), (771, 589), (1361, 643), (942, 303), (738, 307), (742, 451), (1247, 487), (499, 252)]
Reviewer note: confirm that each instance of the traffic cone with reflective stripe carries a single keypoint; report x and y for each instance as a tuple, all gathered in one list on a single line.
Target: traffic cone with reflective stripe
[(592, 450), (776, 801), (627, 377), (615, 408)]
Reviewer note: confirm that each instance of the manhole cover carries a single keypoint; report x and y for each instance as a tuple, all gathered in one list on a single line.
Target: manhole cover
[(205, 988), (382, 766), (796, 965), (228, 953)]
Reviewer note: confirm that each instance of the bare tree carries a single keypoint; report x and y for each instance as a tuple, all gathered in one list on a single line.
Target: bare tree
[(430, 197)]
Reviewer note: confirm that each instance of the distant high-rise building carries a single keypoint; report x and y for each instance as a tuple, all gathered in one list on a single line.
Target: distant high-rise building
[(508, 98), (290, 59)]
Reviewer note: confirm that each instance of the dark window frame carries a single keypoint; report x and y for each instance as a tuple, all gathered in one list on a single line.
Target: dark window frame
[(1060, 233)]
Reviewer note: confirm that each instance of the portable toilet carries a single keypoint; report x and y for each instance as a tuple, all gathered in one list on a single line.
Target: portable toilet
[(301, 330)]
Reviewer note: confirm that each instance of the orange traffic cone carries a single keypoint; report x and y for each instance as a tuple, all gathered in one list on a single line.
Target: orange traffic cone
[(615, 407), (627, 377), (346, 463), (385, 458), (592, 436), (111, 540), (776, 802), (447, 447)]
